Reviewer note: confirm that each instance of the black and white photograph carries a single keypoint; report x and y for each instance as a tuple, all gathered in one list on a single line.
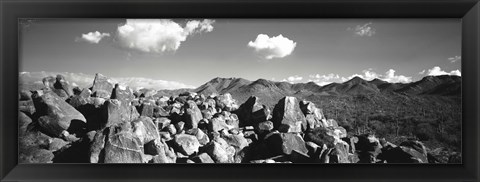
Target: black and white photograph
[(317, 91)]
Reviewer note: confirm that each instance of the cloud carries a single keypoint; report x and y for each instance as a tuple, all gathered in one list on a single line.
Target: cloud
[(455, 59), (158, 35), (435, 71), (92, 37), (274, 47), (292, 79), (364, 30), (86, 80), (368, 74), (324, 79), (139, 82), (392, 78)]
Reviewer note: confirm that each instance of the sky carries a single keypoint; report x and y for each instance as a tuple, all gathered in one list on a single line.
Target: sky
[(186, 53)]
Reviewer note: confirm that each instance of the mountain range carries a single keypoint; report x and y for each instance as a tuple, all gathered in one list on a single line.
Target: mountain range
[(444, 85)]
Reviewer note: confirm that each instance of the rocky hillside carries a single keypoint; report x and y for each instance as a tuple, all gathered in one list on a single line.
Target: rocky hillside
[(223, 121)]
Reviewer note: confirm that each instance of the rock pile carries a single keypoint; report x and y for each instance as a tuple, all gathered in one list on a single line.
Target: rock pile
[(111, 123)]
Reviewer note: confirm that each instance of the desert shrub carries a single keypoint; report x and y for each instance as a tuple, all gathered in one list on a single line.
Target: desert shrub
[(424, 131)]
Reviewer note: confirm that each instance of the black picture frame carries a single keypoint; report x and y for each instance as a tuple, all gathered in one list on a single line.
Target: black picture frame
[(467, 10)]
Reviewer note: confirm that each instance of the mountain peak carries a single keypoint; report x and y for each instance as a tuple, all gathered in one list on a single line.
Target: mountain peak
[(356, 80)]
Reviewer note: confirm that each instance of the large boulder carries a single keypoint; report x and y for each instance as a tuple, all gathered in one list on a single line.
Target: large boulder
[(284, 143), (321, 136), (287, 114), (122, 93), (251, 112), (313, 115), (102, 86), (32, 145), (146, 109), (81, 99), (117, 112), (192, 114), (123, 146), (409, 152), (226, 102), (238, 141), (63, 84), (218, 123), (203, 158), (161, 152), (186, 144), (201, 136), (367, 147), (219, 153), (96, 152), (56, 115), (339, 154), (145, 129), (27, 107)]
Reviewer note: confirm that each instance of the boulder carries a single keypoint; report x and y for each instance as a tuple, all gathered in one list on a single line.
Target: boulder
[(339, 154), (284, 143), (217, 152), (416, 149), (23, 123), (264, 127), (32, 147), (25, 95), (409, 152), (160, 112), (203, 158), (186, 144), (102, 86), (123, 146), (192, 114), (251, 112), (162, 123), (62, 84), (217, 124), (321, 136), (56, 115), (117, 112), (160, 151), (238, 141), (287, 112), (145, 129), (226, 102), (122, 93), (367, 147), (49, 81), (27, 107), (146, 109), (201, 136)]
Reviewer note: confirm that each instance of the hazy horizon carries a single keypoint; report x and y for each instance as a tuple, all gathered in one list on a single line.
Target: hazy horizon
[(176, 53)]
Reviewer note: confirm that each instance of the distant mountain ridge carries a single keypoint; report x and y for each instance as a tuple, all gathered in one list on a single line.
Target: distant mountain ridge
[(356, 85), (241, 89)]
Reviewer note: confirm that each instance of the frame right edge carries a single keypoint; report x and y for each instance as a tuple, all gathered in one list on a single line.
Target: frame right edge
[(471, 67)]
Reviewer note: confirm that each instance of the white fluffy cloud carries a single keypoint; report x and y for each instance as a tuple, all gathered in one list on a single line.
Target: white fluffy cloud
[(368, 74), (364, 30), (274, 47), (86, 80), (324, 79), (293, 79), (392, 78), (93, 37), (158, 35), (435, 71), (389, 76), (455, 59), (139, 82)]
